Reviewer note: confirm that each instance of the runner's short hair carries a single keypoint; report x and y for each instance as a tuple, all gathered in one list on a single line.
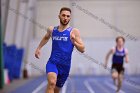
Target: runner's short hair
[(119, 38), (65, 9)]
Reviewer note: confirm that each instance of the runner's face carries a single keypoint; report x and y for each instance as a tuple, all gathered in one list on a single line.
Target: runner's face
[(120, 42), (64, 17)]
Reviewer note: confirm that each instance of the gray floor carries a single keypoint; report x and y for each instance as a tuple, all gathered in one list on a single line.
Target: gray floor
[(15, 84)]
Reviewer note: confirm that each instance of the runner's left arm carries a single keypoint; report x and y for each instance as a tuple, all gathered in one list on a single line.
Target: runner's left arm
[(77, 41), (126, 56)]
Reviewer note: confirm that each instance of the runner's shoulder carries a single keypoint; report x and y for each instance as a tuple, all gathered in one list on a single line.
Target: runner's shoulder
[(75, 30), (113, 49), (126, 50), (50, 28)]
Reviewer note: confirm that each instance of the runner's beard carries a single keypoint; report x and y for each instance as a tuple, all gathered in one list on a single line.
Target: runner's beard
[(63, 23)]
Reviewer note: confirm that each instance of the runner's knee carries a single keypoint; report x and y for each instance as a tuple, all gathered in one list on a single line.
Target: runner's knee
[(114, 75), (52, 83)]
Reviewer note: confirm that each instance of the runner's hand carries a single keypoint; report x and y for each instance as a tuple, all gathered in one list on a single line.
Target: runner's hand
[(37, 53)]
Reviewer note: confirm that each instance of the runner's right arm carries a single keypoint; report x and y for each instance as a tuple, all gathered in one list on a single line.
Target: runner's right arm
[(111, 51), (43, 41)]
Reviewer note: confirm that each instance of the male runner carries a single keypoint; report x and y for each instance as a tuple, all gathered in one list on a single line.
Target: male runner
[(119, 53), (64, 38)]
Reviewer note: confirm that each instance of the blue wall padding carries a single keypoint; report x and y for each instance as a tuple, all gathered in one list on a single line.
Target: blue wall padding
[(12, 60), (17, 64)]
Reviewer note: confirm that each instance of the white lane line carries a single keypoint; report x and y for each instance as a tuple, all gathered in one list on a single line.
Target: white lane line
[(43, 84), (112, 86), (88, 87), (132, 85), (64, 89), (99, 85)]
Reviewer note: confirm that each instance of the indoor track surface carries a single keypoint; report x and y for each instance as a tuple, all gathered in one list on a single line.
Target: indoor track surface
[(83, 84)]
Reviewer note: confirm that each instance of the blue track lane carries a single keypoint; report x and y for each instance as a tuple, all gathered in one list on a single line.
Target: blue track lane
[(83, 84), (30, 86)]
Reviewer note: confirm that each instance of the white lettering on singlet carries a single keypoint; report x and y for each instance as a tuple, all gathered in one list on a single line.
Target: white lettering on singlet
[(120, 54), (58, 38)]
